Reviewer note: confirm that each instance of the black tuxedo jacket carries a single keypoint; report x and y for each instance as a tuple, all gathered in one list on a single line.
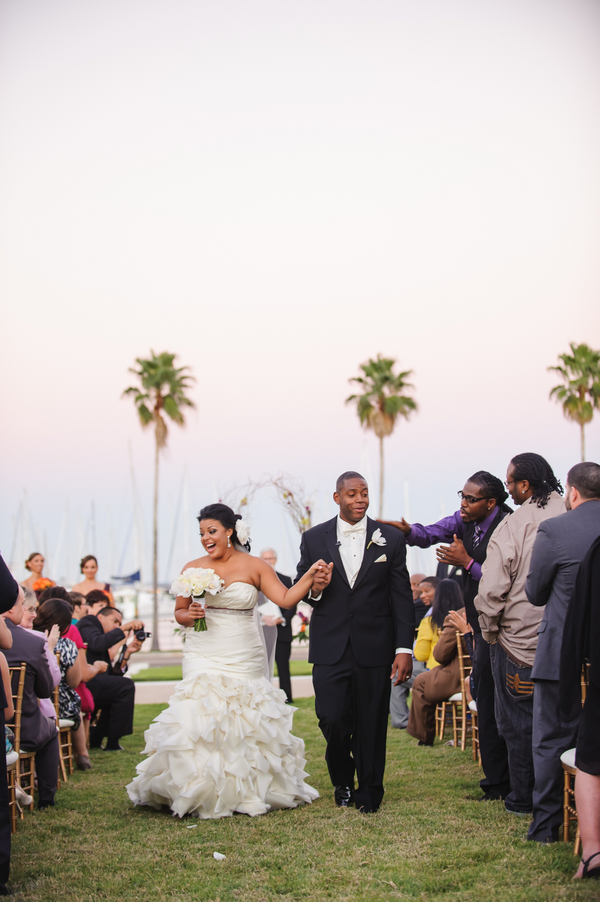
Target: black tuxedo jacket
[(99, 642), (284, 630), (377, 615)]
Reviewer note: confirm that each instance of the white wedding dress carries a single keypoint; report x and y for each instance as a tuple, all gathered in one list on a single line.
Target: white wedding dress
[(224, 743)]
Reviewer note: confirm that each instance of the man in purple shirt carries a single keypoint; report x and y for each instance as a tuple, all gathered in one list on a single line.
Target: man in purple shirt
[(468, 530)]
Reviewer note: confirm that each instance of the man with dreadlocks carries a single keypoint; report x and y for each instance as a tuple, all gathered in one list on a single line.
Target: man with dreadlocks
[(509, 623), (469, 530)]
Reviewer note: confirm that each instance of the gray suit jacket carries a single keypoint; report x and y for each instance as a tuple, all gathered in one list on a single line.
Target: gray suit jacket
[(28, 648), (560, 546)]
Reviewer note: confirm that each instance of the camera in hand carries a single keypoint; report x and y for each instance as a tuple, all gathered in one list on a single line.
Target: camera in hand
[(141, 635)]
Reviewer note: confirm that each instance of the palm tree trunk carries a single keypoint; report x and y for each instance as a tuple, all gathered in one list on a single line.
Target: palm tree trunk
[(155, 644), (582, 427), (381, 477)]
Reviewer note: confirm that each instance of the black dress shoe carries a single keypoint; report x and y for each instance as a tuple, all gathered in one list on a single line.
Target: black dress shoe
[(113, 747), (492, 797), (429, 744), (3, 890), (344, 796), (45, 803)]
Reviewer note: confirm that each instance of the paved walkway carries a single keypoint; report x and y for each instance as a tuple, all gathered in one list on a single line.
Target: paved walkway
[(160, 691)]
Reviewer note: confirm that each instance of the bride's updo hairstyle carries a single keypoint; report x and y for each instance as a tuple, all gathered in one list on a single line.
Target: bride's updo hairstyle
[(226, 518)]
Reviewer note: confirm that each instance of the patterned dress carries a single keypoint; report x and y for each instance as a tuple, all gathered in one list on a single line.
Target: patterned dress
[(69, 703)]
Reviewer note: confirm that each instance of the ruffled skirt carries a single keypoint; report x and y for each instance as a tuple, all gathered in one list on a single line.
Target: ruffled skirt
[(224, 743)]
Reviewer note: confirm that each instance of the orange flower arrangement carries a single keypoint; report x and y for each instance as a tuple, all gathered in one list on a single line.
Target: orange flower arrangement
[(41, 584)]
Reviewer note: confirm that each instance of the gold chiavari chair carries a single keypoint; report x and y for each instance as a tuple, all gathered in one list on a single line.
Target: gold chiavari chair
[(26, 762), (65, 737), (567, 759)]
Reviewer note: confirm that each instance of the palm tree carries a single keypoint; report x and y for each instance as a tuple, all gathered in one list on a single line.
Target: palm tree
[(163, 391), (382, 402), (580, 391)]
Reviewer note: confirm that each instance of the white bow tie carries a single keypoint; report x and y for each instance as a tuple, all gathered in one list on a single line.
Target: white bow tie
[(348, 530)]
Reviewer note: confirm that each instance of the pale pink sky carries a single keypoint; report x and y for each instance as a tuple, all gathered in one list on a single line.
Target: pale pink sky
[(278, 192)]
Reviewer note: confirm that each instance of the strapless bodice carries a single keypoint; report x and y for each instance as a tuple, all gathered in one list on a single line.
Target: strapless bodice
[(237, 596)]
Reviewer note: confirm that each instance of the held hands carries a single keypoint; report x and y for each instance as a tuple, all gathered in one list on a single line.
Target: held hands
[(402, 668), (402, 525), (455, 554), (100, 666), (321, 573)]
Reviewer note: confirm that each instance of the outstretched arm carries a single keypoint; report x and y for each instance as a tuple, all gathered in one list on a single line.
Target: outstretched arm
[(273, 588)]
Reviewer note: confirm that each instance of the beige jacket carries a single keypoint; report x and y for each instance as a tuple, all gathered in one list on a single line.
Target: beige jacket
[(505, 614)]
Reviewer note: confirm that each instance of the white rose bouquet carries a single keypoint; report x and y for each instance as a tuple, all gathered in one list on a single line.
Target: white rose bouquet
[(194, 583)]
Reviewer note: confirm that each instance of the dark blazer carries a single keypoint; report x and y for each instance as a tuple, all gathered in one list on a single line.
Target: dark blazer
[(377, 615), (9, 588), (99, 642), (581, 637), (560, 546), (284, 630), (28, 648)]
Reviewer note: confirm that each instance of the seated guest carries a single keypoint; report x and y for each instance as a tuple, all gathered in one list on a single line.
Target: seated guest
[(581, 641), (96, 601), (443, 679), (57, 612), (399, 693), (80, 605), (38, 732), (429, 630), (113, 695), (80, 736), (421, 608), (30, 609), (9, 593)]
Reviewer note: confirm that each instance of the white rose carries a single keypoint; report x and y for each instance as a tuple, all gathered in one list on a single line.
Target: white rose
[(196, 581), (243, 532)]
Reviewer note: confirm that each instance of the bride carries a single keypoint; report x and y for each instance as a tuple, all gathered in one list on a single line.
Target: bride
[(224, 743)]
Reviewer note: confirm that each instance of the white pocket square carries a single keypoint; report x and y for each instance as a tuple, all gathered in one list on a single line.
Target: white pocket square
[(381, 560)]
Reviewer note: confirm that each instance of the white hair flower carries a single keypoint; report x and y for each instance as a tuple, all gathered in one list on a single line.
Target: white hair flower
[(243, 532)]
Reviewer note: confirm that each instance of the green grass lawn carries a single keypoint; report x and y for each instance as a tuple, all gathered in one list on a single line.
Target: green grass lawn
[(297, 668), (430, 841)]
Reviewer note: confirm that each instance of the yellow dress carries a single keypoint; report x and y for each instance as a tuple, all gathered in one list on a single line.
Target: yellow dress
[(427, 637)]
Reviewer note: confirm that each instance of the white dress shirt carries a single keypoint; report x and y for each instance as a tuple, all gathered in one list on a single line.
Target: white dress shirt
[(352, 541)]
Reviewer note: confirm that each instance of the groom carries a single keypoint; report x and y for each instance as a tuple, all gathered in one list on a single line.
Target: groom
[(361, 633)]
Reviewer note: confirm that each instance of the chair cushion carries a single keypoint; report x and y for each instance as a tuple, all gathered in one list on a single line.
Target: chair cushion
[(11, 758), (473, 706), (568, 758), (66, 724), (457, 697)]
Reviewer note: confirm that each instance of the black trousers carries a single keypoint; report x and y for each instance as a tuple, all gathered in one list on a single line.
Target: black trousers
[(115, 696), (352, 704), (494, 756), (283, 652), (47, 759), (550, 739), (4, 811)]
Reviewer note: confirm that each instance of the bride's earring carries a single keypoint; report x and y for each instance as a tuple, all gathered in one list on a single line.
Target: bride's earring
[(228, 542)]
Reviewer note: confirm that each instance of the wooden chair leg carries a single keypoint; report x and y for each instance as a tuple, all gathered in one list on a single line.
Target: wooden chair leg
[(566, 803)]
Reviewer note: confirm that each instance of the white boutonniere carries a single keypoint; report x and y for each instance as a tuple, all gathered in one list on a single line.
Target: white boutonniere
[(377, 539)]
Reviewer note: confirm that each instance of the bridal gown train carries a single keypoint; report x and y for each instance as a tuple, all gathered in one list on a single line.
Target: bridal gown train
[(224, 743)]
